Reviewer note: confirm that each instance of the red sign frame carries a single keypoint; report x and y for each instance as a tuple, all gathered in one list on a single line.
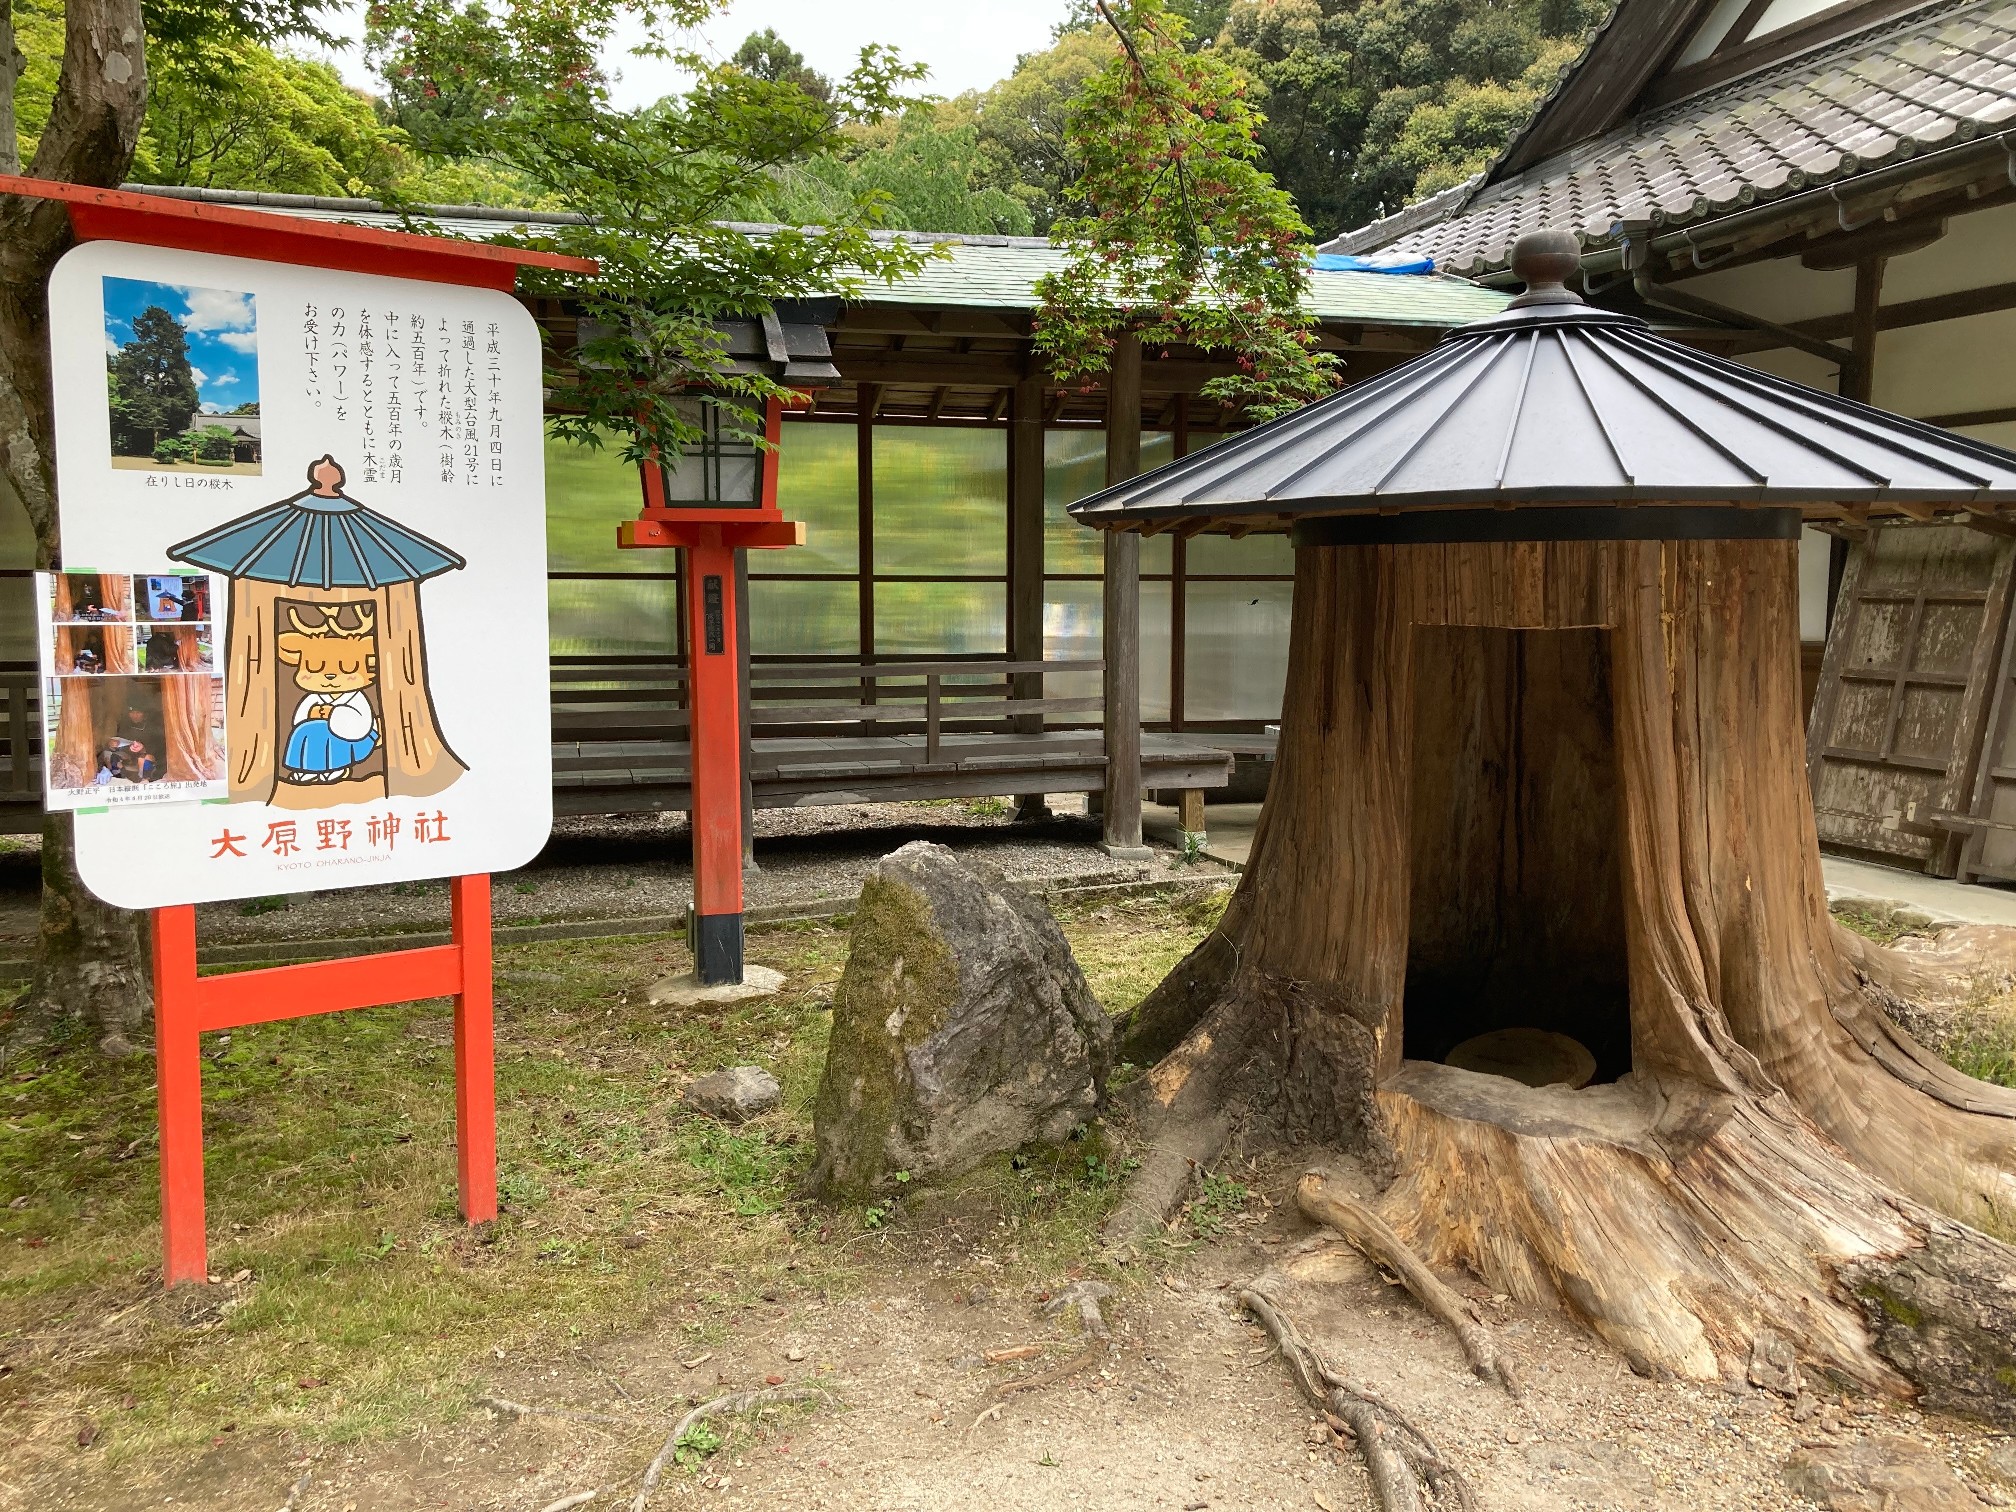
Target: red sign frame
[(187, 1006)]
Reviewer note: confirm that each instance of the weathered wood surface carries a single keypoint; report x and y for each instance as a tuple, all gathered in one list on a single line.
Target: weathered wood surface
[(1910, 671), (1121, 606), (1774, 1126)]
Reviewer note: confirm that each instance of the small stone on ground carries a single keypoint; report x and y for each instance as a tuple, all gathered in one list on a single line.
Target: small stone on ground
[(1883, 1474), (734, 1095), (686, 990)]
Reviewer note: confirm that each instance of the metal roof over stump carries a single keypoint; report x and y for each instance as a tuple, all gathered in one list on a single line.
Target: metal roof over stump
[(1559, 421)]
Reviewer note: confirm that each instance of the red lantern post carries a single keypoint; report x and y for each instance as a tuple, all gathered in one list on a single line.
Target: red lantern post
[(718, 498)]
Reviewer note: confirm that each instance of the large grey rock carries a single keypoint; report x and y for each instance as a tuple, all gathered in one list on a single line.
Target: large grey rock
[(962, 1027), (734, 1095)]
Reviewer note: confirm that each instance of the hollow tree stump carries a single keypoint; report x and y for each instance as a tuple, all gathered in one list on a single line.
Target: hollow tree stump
[(1772, 1146)]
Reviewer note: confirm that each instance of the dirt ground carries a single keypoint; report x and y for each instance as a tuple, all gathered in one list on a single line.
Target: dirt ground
[(328, 1157), (1190, 1410)]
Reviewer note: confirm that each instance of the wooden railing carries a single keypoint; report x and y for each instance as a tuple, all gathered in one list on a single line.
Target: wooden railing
[(642, 700)]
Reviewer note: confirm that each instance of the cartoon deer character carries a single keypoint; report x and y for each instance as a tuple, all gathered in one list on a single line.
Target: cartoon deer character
[(334, 725)]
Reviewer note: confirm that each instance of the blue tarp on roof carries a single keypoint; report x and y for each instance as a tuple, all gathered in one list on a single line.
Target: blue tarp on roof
[(1343, 262)]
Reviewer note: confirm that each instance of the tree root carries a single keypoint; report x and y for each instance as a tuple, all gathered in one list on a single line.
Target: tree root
[(721, 1406), (1400, 1459), (1085, 1297), (1167, 1174), (1324, 1201), (505, 1407)]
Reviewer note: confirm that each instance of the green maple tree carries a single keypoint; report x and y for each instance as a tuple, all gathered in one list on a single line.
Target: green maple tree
[(1181, 236)]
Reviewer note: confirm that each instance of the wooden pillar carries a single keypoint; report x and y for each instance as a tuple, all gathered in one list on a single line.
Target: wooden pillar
[(1858, 377), (1179, 585), (1122, 613), (715, 933), (1025, 556), (870, 399)]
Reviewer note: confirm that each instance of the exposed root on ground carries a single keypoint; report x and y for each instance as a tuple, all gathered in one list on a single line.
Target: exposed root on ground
[(1402, 1461), (1324, 1201), (505, 1407), (722, 1406), (1084, 1297)]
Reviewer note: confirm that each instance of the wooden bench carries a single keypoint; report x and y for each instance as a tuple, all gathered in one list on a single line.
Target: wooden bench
[(849, 732)]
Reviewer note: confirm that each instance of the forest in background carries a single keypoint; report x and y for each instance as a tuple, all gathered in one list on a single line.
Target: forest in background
[(1370, 104)]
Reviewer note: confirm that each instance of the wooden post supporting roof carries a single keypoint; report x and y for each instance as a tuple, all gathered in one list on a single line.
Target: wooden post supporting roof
[(1025, 554), (1121, 623), (1858, 378)]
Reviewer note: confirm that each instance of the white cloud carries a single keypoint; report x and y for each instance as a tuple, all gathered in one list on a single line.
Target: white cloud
[(222, 379), (199, 375), (111, 346), (240, 341), (218, 310)]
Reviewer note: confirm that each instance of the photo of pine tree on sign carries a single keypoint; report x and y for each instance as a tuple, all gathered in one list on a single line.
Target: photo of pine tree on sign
[(326, 676), (182, 377)]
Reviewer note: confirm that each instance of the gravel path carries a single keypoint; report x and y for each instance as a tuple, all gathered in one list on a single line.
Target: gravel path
[(640, 866)]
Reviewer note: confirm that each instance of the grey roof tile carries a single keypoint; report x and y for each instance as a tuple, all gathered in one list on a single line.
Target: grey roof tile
[(1939, 76)]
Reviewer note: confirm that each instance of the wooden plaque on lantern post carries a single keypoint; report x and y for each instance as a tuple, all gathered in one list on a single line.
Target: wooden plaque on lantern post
[(299, 638), (717, 497)]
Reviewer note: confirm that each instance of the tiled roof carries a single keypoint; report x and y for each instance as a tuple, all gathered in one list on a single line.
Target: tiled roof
[(983, 272), (1939, 77)]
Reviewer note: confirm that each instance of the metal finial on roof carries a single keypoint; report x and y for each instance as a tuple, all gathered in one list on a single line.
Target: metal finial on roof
[(1558, 420), (1544, 261), (320, 537)]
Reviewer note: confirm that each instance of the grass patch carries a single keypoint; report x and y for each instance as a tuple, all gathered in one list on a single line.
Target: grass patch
[(1885, 923), (1127, 945), (331, 1185), (1983, 1045), (355, 1304)]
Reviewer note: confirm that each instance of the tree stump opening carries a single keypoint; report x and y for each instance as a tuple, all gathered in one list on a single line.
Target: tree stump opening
[(1516, 914), (1560, 786)]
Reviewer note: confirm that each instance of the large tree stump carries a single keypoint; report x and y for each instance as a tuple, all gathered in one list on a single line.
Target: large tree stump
[(1562, 786)]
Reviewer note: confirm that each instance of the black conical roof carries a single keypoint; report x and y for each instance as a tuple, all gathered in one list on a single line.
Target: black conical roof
[(1555, 403)]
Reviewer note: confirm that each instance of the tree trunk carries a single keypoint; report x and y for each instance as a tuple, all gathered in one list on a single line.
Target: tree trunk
[(1561, 787), (88, 964)]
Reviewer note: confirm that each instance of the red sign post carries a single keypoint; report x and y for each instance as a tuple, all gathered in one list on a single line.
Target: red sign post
[(186, 1005), (708, 532)]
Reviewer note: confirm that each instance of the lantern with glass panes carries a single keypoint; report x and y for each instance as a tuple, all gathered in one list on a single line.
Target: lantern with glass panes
[(722, 476)]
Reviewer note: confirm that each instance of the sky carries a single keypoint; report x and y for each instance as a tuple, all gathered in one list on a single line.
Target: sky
[(967, 45), (221, 325)]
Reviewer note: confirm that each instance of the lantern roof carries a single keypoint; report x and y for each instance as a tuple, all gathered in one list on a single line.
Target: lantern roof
[(322, 538), (1512, 422)]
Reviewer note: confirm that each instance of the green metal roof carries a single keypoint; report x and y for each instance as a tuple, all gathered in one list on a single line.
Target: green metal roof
[(1000, 272), (979, 272)]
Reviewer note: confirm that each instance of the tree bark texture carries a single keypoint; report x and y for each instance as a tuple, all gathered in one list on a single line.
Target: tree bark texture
[(88, 964), (1601, 828)]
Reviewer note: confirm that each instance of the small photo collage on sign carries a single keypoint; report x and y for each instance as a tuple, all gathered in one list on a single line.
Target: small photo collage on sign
[(133, 691)]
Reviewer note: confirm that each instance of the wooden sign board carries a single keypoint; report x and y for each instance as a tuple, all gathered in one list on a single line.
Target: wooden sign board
[(356, 461), (299, 639)]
